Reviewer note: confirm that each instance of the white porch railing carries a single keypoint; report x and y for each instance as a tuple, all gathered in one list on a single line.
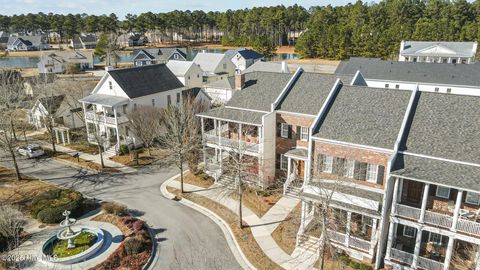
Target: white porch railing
[(408, 211), (211, 137), (99, 118), (359, 243), (438, 219), (290, 178), (468, 226), (336, 237), (429, 264), (401, 256)]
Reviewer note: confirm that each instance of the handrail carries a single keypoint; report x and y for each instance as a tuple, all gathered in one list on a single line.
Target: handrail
[(288, 182)]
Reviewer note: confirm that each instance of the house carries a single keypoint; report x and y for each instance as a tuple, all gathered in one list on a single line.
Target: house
[(281, 67), (151, 56), (443, 78), (83, 42), (242, 58), (27, 43), (137, 40), (60, 108), (58, 62), (3, 43), (438, 52), (215, 66), (121, 91), (220, 91), (187, 72)]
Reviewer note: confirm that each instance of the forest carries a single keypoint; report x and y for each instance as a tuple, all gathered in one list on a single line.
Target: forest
[(334, 32)]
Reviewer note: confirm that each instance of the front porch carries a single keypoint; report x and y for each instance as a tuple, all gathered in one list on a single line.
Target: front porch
[(296, 163)]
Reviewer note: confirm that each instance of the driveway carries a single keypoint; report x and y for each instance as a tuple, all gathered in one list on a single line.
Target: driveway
[(186, 239)]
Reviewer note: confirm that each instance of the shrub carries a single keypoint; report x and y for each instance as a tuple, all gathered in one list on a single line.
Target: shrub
[(354, 265), (123, 149), (49, 206), (344, 259), (54, 214), (365, 267), (134, 245), (115, 208), (203, 176)]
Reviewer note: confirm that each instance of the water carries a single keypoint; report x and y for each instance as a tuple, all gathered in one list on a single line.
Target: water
[(31, 62)]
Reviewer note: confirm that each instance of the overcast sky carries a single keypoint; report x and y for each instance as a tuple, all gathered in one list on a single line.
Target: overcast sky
[(122, 7)]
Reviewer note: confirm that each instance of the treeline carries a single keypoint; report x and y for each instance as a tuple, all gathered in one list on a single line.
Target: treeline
[(375, 30)]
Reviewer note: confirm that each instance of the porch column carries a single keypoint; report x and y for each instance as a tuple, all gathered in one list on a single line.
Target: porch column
[(289, 167), (449, 60), (395, 196), (56, 136), (416, 252), (104, 116), (424, 202), (347, 233), (456, 212), (448, 253), (391, 232), (68, 136), (373, 238), (240, 135), (303, 216), (202, 125), (63, 138)]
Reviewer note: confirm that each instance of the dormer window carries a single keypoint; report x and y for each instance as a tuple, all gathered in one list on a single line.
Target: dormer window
[(110, 85)]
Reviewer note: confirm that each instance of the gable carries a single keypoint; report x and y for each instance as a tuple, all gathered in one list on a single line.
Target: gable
[(103, 87), (142, 56), (436, 49)]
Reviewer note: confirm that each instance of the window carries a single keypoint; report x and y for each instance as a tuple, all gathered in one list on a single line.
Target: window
[(409, 231), (386, 85), (124, 108), (372, 170), (110, 85), (283, 162), (414, 59), (175, 56), (327, 164), (449, 90), (437, 89), (188, 78), (153, 102), (436, 238), (178, 98), (443, 192), (126, 131), (284, 130), (198, 75), (304, 134), (224, 66), (473, 198), (454, 61), (397, 86), (349, 168), (135, 106), (169, 100)]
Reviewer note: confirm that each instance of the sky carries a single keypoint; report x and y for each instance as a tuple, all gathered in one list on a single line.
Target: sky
[(122, 7)]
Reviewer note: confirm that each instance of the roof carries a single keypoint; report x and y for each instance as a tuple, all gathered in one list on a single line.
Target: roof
[(445, 126), (105, 100), (234, 115), (437, 171), (245, 53), (433, 73), (310, 90), (3, 40), (267, 67), (208, 62), (260, 91), (229, 83), (297, 153), (439, 48), (71, 56), (194, 92), (179, 68), (161, 53), (365, 116), (51, 103), (145, 80), (28, 40)]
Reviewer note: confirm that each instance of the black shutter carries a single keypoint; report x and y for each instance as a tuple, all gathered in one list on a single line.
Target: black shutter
[(277, 162), (381, 172), (339, 166), (362, 171), (319, 162), (299, 130), (289, 131), (279, 129), (356, 170)]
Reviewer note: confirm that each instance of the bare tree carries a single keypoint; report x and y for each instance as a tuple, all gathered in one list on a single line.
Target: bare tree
[(12, 222), (145, 122)]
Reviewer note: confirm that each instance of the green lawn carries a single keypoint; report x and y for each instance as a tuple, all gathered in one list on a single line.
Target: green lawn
[(82, 243)]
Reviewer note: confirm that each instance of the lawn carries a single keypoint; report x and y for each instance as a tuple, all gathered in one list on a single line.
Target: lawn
[(244, 236), (286, 233), (144, 158), (201, 179), (84, 147), (258, 202), (82, 242)]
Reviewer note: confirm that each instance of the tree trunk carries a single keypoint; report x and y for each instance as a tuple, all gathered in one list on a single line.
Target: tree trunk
[(181, 174), (240, 214), (13, 130), (25, 136), (52, 140), (149, 151), (15, 165), (100, 150)]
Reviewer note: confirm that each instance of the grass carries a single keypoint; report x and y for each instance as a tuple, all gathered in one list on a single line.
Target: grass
[(201, 179), (286, 233), (113, 219), (84, 147), (258, 203), (82, 242), (244, 236), (143, 157)]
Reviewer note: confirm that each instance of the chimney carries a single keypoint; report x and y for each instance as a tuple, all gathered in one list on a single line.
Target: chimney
[(108, 68), (284, 66), (239, 80)]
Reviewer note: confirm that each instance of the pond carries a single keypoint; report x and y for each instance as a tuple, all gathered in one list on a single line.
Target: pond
[(124, 57)]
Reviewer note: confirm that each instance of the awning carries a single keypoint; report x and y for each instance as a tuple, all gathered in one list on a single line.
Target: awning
[(297, 153), (104, 100), (234, 115)]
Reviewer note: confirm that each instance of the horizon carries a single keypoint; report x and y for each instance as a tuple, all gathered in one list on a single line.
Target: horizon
[(123, 7)]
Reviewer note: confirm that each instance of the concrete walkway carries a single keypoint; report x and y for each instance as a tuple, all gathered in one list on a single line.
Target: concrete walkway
[(261, 228)]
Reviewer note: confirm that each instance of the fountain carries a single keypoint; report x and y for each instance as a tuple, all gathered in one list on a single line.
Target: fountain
[(68, 234)]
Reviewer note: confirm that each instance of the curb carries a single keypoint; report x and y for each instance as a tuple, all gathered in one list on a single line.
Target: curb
[(153, 254), (227, 231), (71, 164)]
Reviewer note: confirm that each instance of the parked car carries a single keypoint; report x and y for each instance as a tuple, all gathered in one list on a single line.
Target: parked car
[(30, 151)]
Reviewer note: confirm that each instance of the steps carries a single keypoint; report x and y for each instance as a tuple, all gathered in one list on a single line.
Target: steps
[(293, 191), (226, 181), (110, 152), (309, 243)]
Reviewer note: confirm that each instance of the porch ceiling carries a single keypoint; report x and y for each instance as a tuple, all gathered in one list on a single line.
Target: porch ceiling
[(234, 115), (104, 100), (297, 153)]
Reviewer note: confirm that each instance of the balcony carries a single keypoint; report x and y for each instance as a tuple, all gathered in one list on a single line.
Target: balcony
[(408, 212), (353, 242), (100, 118), (401, 256), (247, 144)]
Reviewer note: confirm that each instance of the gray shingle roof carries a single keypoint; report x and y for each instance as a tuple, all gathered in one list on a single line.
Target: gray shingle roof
[(244, 52), (309, 93), (145, 80), (234, 115), (373, 68), (106, 100), (229, 83), (445, 48), (266, 67), (161, 53), (437, 171), (445, 126), (261, 90), (208, 62), (365, 116), (179, 68)]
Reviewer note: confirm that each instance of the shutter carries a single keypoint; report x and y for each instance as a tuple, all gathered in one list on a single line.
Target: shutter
[(380, 173), (356, 170), (339, 166), (319, 162), (277, 162), (299, 130), (290, 131), (362, 174), (279, 129)]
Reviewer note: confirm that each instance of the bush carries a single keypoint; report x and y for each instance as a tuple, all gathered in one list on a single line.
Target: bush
[(344, 259), (203, 176), (49, 206), (123, 149), (365, 267), (135, 245), (115, 208)]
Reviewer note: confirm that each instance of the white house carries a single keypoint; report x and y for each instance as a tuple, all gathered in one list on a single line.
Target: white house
[(62, 110), (187, 72), (27, 43), (121, 91), (438, 52), (84, 42), (150, 56), (57, 62), (215, 66), (242, 58)]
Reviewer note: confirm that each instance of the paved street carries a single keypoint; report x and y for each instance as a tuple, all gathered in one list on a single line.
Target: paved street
[(186, 238)]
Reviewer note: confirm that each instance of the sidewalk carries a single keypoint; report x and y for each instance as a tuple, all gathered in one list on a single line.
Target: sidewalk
[(261, 228)]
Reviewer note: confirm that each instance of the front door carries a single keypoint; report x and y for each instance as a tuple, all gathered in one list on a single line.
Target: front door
[(301, 168), (414, 192)]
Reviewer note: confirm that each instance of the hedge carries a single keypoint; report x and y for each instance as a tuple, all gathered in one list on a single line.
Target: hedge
[(49, 206)]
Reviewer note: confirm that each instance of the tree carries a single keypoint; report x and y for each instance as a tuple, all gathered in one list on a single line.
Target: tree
[(265, 46), (145, 122), (12, 222), (49, 101), (107, 47)]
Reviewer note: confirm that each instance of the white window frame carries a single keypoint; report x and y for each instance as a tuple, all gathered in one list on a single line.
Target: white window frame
[(405, 230), (304, 133), (449, 90), (475, 201), (178, 98), (283, 132), (397, 86), (430, 237), (110, 85), (387, 85), (439, 195), (169, 100), (437, 89), (350, 171), (327, 165), (283, 162), (372, 173)]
